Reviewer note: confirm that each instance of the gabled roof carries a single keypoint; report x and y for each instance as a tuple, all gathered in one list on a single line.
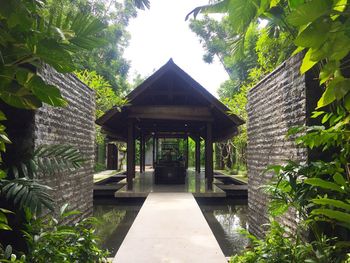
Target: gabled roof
[(170, 65), (171, 81)]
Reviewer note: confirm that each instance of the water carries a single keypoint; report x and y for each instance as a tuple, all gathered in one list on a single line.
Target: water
[(115, 220), (225, 218)]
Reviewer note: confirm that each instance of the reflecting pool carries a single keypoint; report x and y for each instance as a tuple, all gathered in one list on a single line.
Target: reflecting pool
[(225, 217), (115, 220)]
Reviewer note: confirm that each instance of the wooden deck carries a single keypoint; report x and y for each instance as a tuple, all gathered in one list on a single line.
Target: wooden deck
[(170, 227)]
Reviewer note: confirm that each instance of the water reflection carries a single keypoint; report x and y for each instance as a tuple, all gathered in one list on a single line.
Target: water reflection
[(114, 223), (225, 218), (225, 222)]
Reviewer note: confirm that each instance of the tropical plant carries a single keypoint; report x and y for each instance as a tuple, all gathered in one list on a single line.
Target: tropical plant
[(29, 40), (22, 185), (106, 97), (280, 246), (108, 60), (8, 255), (319, 28), (51, 240)]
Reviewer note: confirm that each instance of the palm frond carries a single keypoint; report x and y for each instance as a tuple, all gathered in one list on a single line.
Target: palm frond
[(142, 4), (55, 158), (219, 7), (25, 192)]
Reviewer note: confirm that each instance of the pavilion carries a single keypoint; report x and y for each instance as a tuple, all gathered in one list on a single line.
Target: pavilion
[(170, 104)]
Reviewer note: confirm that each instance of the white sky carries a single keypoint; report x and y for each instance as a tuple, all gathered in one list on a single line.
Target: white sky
[(161, 33)]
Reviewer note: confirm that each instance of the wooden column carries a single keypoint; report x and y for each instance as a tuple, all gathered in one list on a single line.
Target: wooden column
[(209, 172), (186, 160), (198, 155), (157, 146), (112, 157), (154, 151), (141, 153), (130, 166)]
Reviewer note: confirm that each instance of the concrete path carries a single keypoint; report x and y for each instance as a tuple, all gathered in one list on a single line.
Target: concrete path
[(170, 227)]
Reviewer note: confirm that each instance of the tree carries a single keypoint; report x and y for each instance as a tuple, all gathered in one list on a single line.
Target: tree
[(108, 60), (106, 98)]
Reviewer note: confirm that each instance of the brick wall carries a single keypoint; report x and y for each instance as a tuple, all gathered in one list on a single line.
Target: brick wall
[(73, 125), (281, 100)]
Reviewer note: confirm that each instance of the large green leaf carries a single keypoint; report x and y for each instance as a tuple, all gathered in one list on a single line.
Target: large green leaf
[(333, 214), (19, 97), (218, 7), (328, 70), (339, 179), (332, 202), (46, 93), (328, 95), (307, 62), (295, 3), (309, 12), (342, 88), (324, 184), (55, 55), (340, 46), (314, 35), (242, 13), (340, 5)]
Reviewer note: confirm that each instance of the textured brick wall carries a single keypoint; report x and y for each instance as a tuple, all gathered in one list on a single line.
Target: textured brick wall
[(73, 125), (278, 102)]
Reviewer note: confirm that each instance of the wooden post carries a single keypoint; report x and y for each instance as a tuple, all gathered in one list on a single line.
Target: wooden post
[(130, 167), (141, 152), (157, 146), (112, 157), (154, 151), (186, 160), (198, 155), (209, 173)]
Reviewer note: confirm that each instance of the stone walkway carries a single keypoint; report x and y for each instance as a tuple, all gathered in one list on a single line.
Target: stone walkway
[(170, 227)]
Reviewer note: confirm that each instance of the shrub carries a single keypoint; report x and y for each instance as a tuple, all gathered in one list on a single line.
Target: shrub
[(53, 240)]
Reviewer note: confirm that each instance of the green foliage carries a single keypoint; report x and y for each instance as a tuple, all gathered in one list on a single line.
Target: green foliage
[(237, 105), (51, 240), (22, 186), (3, 219), (246, 58), (8, 255), (279, 246), (106, 97), (107, 61), (29, 40)]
